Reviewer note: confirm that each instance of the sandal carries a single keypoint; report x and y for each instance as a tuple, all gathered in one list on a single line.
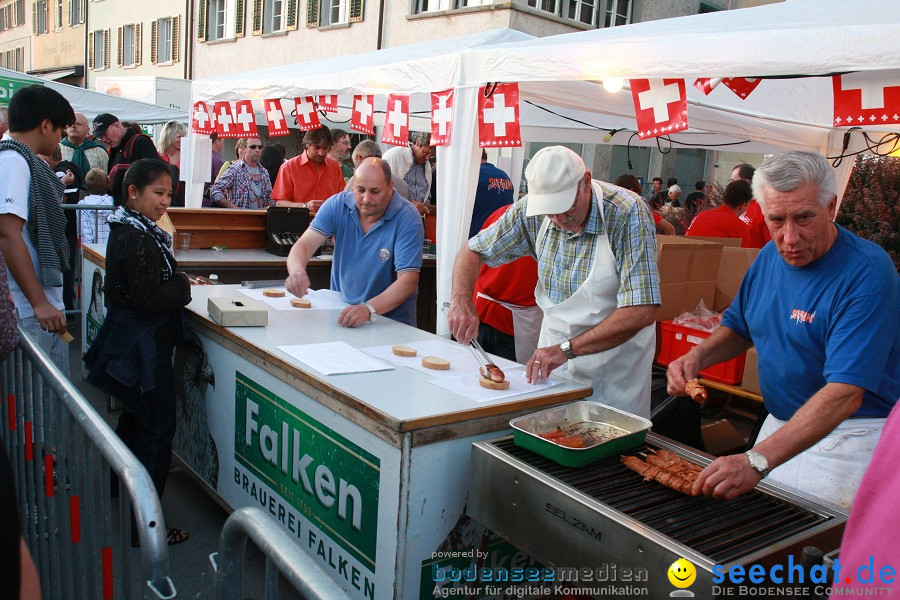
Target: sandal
[(173, 536)]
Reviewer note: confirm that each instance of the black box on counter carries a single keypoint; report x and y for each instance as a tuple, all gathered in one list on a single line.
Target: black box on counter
[(284, 226)]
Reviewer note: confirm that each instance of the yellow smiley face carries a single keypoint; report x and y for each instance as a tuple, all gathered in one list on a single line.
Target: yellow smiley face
[(682, 573)]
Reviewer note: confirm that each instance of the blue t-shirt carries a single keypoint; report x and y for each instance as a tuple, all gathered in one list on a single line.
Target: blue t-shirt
[(367, 264), (832, 321), (494, 190)]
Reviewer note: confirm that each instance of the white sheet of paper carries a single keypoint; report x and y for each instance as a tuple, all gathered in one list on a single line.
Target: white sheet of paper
[(335, 358), (321, 299), (461, 359), (468, 387)]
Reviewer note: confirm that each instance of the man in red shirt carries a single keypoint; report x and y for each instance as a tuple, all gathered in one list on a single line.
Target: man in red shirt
[(724, 221), (753, 217), (310, 179)]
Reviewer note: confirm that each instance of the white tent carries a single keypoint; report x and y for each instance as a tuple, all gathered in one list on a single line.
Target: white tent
[(798, 38), (92, 103)]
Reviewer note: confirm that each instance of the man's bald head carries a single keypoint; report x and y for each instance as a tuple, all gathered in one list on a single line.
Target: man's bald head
[(370, 166), (78, 131)]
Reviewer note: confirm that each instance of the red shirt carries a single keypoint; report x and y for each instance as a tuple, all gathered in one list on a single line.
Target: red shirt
[(720, 222), (301, 180), (513, 283), (759, 231)]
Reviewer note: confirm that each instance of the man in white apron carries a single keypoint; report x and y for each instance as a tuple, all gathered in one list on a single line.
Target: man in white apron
[(822, 307), (598, 284)]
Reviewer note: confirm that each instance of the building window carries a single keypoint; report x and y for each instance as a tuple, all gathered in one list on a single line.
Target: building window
[(273, 16), (583, 11), (128, 46), (13, 59), (618, 12), (334, 12), (425, 6), (41, 16), (217, 19), (594, 13), (76, 12), (5, 20), (550, 6), (164, 41), (20, 12), (98, 49)]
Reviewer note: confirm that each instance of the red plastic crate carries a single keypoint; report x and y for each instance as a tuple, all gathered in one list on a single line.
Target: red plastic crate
[(677, 340)]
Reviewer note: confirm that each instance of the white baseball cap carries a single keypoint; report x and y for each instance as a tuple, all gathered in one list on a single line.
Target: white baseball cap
[(553, 176)]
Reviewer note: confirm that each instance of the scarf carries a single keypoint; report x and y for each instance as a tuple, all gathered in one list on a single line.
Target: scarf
[(132, 218), (79, 157), (46, 223)]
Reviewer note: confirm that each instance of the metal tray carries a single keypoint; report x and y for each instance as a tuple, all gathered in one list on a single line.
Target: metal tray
[(607, 431)]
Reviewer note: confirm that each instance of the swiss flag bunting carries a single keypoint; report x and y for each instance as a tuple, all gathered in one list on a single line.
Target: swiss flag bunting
[(867, 98), (328, 103), (363, 116), (441, 117), (498, 117), (396, 121), (225, 127), (660, 106), (706, 84), (305, 114), (245, 120), (742, 86), (202, 120), (275, 118)]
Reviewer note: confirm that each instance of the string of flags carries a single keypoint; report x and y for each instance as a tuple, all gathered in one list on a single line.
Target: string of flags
[(660, 106)]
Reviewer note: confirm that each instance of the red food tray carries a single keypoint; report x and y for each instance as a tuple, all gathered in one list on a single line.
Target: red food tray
[(677, 340)]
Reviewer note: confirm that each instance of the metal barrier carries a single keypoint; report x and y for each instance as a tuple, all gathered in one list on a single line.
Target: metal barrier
[(62, 451), (289, 558), (91, 221)]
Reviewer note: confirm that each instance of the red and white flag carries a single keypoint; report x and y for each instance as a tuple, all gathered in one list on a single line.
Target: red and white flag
[(706, 84), (245, 120), (867, 98), (305, 113), (498, 117), (328, 103), (202, 120), (742, 86), (660, 106), (363, 116), (275, 118), (441, 117), (225, 127), (396, 121)]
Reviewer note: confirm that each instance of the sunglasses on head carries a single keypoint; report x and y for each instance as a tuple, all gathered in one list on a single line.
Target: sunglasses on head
[(255, 146)]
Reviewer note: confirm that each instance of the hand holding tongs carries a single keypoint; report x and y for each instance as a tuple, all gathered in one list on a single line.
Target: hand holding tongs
[(487, 368)]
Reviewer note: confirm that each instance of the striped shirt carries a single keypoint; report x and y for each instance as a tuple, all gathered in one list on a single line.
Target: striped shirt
[(418, 185), (566, 258)]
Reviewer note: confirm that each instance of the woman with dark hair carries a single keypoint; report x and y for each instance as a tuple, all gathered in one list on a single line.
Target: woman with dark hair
[(271, 160), (633, 184), (131, 358)]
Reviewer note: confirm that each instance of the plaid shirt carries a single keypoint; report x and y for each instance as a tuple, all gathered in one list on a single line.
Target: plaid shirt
[(566, 258), (236, 181)]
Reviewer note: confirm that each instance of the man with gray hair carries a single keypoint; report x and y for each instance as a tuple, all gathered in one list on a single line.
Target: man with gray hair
[(822, 307), (369, 149), (412, 164)]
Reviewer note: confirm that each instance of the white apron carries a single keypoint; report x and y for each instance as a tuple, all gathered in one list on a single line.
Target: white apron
[(526, 327), (833, 467), (620, 376)]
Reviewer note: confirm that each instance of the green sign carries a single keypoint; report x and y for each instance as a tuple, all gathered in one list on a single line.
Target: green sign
[(10, 85), (323, 475)]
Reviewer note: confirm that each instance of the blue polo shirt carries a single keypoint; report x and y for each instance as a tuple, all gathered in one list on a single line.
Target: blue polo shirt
[(366, 264)]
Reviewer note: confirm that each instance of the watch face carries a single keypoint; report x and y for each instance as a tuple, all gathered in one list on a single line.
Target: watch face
[(759, 461)]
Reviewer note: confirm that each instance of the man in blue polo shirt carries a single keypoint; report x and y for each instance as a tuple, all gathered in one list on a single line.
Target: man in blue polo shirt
[(377, 249)]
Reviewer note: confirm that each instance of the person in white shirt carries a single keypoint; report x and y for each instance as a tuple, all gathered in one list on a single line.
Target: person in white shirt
[(92, 225)]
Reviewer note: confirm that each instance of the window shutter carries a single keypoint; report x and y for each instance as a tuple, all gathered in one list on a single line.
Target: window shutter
[(356, 10), (154, 39), (34, 18), (90, 45), (312, 13), (240, 7), (257, 17), (291, 21), (201, 21), (57, 15), (137, 44), (120, 56), (71, 12), (46, 16), (176, 35), (106, 49)]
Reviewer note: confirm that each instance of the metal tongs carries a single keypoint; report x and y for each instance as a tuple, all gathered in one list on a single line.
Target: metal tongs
[(487, 368)]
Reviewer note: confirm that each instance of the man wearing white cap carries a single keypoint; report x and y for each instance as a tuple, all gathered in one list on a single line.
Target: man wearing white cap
[(598, 282)]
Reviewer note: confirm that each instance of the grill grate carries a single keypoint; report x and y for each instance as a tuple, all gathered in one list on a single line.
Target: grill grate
[(723, 531)]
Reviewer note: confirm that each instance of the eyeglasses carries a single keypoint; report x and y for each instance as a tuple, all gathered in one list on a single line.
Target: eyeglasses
[(255, 147)]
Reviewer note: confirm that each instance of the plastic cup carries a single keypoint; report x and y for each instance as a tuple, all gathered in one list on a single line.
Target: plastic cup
[(183, 242)]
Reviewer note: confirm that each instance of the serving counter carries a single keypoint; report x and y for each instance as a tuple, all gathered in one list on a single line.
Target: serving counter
[(370, 471)]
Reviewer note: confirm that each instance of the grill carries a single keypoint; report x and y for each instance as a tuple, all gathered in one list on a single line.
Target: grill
[(604, 512)]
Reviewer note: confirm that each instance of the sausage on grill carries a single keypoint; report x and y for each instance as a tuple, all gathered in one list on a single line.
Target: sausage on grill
[(668, 478)]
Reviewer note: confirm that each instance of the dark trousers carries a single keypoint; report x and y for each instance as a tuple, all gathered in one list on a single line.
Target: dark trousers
[(496, 342)]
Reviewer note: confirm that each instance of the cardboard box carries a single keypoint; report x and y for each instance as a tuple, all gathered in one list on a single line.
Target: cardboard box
[(750, 382), (722, 438), (727, 242), (687, 273), (733, 265), (237, 311)]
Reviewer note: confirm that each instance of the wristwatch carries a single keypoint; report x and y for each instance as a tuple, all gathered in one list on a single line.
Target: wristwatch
[(373, 314), (758, 462), (566, 347)]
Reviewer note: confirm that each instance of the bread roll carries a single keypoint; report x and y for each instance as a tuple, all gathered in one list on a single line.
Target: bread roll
[(301, 302), (493, 385), (273, 293), (436, 362), (403, 350)]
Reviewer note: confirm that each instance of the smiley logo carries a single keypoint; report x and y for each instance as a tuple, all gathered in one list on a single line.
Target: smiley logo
[(682, 573)]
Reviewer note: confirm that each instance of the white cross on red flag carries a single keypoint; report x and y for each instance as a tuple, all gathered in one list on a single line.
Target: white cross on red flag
[(867, 98), (225, 127), (707, 84), (441, 117), (328, 103), (305, 113), (498, 117), (660, 106), (742, 86), (245, 120), (363, 116), (275, 118), (396, 121), (202, 121)]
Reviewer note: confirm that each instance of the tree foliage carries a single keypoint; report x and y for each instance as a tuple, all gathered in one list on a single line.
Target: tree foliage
[(871, 204)]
